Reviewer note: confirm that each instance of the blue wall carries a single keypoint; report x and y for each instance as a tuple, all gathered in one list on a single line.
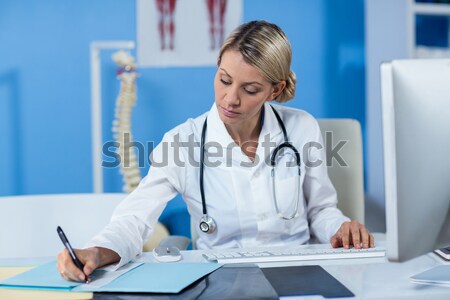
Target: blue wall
[(45, 84), (45, 92)]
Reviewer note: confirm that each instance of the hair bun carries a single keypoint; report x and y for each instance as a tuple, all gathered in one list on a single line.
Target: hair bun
[(289, 91)]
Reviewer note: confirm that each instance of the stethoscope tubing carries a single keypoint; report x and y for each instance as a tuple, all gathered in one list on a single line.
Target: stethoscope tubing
[(207, 224)]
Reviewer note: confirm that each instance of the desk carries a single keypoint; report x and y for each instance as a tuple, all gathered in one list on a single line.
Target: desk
[(367, 278)]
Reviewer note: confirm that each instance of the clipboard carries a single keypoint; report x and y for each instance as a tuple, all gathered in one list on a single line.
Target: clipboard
[(305, 280)]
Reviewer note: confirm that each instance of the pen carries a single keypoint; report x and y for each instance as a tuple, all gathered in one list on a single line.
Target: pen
[(69, 248)]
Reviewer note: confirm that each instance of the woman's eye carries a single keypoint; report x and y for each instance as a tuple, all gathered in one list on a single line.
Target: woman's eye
[(225, 82), (250, 92)]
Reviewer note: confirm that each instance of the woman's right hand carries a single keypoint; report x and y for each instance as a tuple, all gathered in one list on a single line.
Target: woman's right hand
[(91, 258)]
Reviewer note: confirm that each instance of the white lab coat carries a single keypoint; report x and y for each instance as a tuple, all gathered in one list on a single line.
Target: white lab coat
[(238, 192)]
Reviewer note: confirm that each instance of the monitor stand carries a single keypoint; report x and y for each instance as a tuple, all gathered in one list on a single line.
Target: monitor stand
[(439, 275)]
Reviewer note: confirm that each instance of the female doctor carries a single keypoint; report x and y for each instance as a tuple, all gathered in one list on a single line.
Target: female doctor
[(251, 172)]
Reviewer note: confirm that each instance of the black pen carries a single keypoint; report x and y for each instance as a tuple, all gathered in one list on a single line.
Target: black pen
[(69, 248)]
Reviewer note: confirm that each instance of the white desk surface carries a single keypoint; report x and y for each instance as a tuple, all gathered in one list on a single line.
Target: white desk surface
[(367, 278)]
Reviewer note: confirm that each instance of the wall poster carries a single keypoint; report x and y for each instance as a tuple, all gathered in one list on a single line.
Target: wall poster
[(184, 32)]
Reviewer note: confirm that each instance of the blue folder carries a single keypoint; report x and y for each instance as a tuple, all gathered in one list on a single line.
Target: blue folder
[(146, 278)]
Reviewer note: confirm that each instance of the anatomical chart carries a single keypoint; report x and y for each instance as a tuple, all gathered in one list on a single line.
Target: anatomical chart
[(184, 32)]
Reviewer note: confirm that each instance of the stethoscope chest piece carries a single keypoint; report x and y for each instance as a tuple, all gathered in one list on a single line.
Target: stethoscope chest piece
[(207, 224)]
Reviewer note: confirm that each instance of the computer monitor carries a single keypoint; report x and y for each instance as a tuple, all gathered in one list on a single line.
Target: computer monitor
[(416, 136)]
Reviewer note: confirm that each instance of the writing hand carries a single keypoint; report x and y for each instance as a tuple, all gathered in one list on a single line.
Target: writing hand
[(70, 271), (92, 258)]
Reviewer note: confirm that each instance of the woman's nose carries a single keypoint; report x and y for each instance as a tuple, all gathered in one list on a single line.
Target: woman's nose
[(232, 97)]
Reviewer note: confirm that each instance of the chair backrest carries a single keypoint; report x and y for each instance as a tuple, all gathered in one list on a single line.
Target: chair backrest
[(347, 178), (28, 223)]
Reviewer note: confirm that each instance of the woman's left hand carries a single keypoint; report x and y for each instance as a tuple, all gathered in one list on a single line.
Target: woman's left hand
[(352, 234)]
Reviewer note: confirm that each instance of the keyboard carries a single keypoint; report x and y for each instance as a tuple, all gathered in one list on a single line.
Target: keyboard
[(290, 254)]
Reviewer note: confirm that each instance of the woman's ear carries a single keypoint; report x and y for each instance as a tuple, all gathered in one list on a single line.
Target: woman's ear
[(277, 89)]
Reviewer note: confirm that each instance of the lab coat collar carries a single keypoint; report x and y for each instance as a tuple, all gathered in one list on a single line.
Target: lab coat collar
[(217, 132), (270, 126)]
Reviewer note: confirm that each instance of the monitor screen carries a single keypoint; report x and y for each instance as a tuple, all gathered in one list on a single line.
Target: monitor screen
[(416, 148)]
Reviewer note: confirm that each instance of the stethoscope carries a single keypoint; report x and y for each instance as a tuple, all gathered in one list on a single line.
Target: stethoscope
[(207, 224)]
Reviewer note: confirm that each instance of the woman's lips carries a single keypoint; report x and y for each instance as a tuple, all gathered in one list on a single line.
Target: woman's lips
[(229, 113)]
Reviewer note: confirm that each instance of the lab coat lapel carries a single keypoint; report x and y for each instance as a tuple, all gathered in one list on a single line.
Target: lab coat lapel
[(216, 132), (271, 134), (270, 126), (217, 135)]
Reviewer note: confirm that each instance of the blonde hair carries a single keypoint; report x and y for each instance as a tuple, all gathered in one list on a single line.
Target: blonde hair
[(264, 46)]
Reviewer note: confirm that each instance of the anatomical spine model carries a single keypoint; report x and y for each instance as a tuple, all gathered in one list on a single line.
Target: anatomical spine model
[(126, 99)]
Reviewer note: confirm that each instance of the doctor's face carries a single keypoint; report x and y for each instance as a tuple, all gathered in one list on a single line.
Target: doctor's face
[(240, 90)]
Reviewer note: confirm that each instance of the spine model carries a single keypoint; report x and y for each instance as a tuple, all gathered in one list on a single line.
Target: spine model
[(126, 99)]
